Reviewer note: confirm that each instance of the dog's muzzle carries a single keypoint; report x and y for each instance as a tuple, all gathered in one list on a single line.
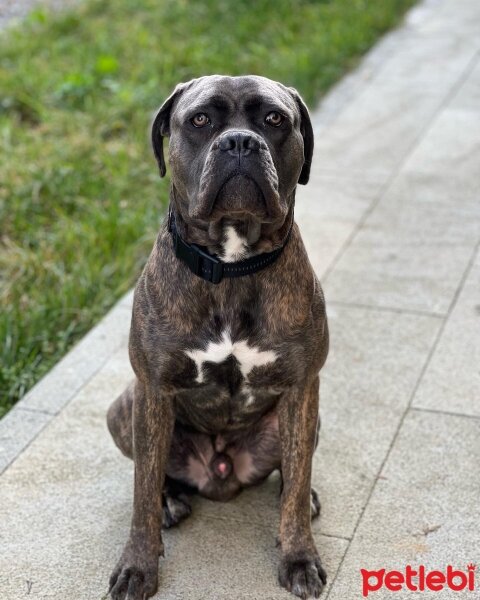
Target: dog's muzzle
[(238, 177)]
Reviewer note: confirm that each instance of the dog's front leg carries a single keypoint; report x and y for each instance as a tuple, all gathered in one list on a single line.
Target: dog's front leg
[(300, 569), (136, 575)]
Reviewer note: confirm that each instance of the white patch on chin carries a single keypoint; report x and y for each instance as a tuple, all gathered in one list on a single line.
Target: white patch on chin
[(247, 356), (235, 247)]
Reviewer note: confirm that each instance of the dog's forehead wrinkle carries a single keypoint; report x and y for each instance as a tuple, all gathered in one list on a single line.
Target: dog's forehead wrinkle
[(238, 92), (202, 98)]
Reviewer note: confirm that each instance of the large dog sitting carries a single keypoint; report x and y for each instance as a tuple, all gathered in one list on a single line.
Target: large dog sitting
[(228, 330)]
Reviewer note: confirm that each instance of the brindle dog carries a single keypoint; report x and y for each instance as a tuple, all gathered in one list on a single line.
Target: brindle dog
[(227, 385)]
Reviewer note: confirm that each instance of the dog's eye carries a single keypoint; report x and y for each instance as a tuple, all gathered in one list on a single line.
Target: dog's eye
[(200, 120), (274, 118)]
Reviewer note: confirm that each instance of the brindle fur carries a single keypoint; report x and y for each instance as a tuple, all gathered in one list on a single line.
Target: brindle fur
[(280, 308)]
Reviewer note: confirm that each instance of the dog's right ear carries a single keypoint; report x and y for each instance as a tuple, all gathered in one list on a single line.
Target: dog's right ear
[(161, 126)]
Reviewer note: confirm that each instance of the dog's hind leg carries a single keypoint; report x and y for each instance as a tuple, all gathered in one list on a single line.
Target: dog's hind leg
[(176, 506), (119, 421)]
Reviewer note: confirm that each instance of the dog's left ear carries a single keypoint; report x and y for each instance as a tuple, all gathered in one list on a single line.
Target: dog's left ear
[(307, 134), (161, 126)]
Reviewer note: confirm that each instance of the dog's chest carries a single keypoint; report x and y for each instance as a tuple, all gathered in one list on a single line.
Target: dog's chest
[(244, 356), (234, 380)]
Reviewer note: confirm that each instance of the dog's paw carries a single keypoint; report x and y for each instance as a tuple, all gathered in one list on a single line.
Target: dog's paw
[(315, 506), (302, 574), (175, 509), (134, 579)]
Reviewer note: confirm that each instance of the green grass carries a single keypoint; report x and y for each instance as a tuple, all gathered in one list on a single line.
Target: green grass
[(80, 198)]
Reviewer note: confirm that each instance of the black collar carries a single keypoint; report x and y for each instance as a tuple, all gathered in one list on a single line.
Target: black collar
[(209, 267)]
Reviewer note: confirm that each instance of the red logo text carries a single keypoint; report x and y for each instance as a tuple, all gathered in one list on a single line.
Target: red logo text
[(418, 580)]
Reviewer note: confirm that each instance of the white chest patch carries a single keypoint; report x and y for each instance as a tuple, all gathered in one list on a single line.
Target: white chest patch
[(246, 355), (234, 247)]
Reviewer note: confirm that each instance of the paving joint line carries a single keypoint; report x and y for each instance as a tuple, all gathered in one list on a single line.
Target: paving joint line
[(444, 412), (22, 450), (475, 59), (392, 309), (335, 537), (230, 519), (36, 411)]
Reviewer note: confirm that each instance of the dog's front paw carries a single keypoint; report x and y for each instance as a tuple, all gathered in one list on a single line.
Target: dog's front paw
[(135, 577), (302, 574)]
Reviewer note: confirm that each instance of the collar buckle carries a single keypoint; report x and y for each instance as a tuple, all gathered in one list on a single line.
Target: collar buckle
[(205, 265)]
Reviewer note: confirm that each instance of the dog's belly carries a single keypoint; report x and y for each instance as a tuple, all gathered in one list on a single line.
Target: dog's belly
[(213, 409)]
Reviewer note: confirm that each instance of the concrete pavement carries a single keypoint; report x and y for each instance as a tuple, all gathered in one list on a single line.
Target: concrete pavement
[(391, 219)]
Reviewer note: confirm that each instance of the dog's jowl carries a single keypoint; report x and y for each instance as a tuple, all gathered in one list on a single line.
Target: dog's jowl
[(228, 330)]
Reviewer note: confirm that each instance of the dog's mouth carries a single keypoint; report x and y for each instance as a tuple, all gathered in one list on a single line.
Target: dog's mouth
[(239, 197), (240, 191)]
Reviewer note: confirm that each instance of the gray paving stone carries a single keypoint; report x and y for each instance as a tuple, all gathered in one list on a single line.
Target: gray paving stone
[(449, 18), (374, 133), (423, 25), (434, 61), (424, 510), (67, 377), (450, 149), (17, 429), (355, 82), (366, 385), (328, 210), (414, 247), (237, 562), (452, 380)]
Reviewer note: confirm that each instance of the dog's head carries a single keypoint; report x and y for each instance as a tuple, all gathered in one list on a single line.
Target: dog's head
[(238, 147)]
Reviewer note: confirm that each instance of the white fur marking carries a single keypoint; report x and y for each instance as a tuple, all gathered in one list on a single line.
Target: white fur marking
[(197, 473), (250, 399), (235, 247), (247, 356), (244, 467)]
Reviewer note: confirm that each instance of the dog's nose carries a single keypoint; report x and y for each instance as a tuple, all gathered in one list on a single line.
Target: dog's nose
[(238, 142)]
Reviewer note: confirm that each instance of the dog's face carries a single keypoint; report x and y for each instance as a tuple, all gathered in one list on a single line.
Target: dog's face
[(238, 147)]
